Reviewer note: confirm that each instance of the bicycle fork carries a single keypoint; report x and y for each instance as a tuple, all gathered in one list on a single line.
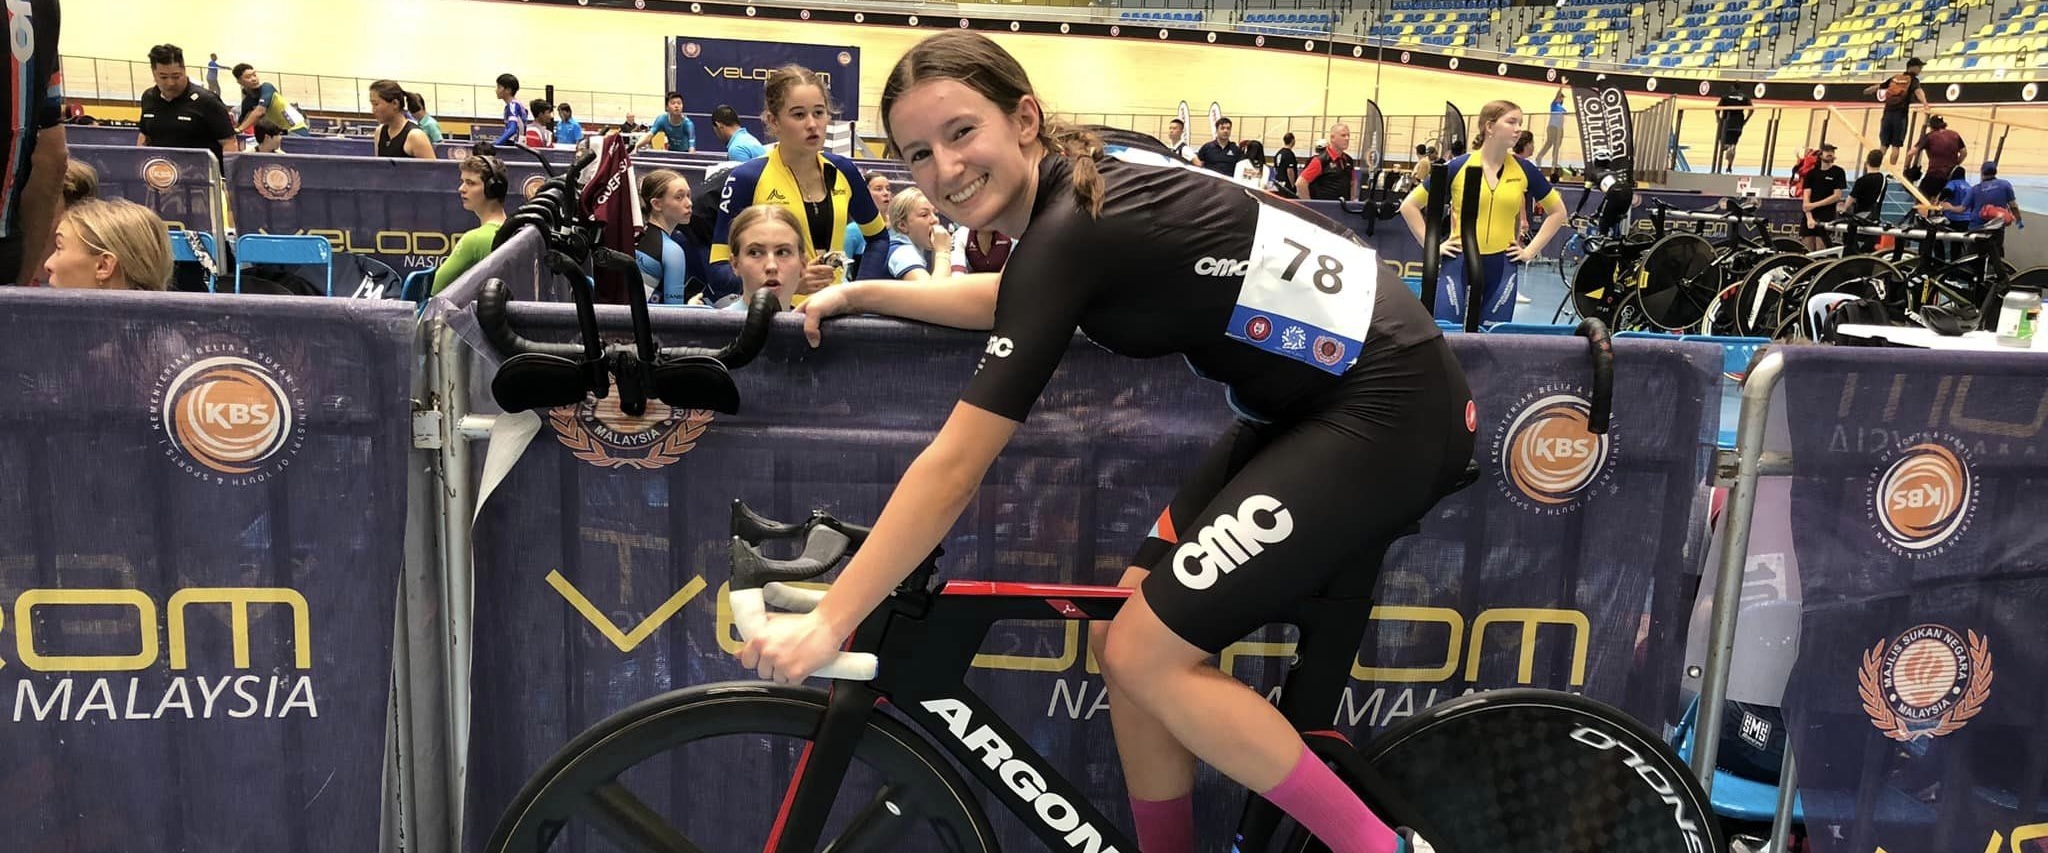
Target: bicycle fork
[(821, 770)]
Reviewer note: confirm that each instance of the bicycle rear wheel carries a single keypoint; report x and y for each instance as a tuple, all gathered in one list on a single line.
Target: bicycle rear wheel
[(722, 741), (1539, 771)]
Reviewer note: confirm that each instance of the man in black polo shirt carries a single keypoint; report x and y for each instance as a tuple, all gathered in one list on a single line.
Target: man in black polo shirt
[(177, 114), (1220, 155)]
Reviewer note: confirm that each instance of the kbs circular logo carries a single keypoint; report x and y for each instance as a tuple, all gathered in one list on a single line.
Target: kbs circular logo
[(275, 182), (597, 432), (159, 174), (228, 414), (532, 185), (845, 57), (1923, 497), (1549, 460), (1925, 683)]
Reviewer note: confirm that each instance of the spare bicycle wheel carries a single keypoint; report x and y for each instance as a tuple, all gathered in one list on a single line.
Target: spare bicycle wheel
[(1676, 281), (1790, 245), (1786, 325), (1540, 771), (1756, 300), (1593, 289), (1866, 276)]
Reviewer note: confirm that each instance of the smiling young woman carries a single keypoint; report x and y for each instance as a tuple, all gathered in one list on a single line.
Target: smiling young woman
[(1354, 416)]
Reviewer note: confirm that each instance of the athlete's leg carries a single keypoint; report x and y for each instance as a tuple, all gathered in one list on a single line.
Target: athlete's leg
[(1298, 512)]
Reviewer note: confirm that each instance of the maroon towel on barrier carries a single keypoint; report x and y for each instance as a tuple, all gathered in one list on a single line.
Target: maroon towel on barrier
[(608, 197)]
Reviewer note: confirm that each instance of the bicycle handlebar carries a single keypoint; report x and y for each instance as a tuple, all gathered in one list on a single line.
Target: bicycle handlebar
[(1601, 407), (758, 581)]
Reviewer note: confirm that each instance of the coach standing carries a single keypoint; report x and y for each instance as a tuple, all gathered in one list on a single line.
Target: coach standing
[(177, 114)]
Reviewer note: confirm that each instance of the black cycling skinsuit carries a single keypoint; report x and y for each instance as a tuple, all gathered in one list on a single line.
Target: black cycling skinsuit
[(34, 101), (1354, 416)]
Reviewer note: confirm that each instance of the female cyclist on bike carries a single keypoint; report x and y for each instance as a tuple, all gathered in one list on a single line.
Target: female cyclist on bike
[(1354, 416)]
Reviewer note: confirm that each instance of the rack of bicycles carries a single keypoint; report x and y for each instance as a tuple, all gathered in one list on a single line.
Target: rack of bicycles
[(1676, 272)]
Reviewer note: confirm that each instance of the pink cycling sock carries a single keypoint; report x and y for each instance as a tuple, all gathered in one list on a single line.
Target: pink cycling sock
[(1317, 799), (1165, 826)]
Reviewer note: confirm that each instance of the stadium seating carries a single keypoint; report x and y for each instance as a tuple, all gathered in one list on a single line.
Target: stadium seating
[(1720, 34), (2017, 42), (1578, 29), (1868, 39), (1287, 23), (1167, 18), (1435, 22)]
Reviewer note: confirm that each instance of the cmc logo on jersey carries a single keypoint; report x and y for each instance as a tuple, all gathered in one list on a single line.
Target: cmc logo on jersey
[(1222, 267), (1925, 683), (228, 414), (1223, 545), (598, 432), (1922, 497), (1549, 459)]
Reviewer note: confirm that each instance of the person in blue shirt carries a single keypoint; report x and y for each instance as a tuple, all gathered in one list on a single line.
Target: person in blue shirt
[(568, 131), (672, 270), (740, 146), (679, 131), (516, 116), (919, 247), (1993, 191), (857, 243), (213, 73)]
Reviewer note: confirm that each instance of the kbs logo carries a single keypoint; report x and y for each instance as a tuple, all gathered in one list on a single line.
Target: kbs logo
[(1925, 683), (599, 433), (692, 49), (275, 182), (1230, 540), (228, 415), (159, 174), (1549, 460), (532, 185), (1923, 498)]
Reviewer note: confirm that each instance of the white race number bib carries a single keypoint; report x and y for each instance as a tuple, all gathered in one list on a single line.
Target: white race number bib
[(1308, 292)]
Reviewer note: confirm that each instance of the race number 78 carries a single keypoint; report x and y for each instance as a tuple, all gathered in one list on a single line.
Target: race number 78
[(1327, 277)]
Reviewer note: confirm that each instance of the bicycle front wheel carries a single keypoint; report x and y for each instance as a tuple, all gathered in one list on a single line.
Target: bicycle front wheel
[(1544, 772), (722, 756)]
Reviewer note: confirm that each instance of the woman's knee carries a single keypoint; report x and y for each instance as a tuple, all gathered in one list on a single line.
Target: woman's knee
[(1098, 630), (1140, 649)]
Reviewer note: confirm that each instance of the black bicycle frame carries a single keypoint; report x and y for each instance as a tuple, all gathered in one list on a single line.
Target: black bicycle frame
[(942, 631)]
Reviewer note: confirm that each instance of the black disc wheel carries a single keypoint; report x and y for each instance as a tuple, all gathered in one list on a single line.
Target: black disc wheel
[(705, 770), (2035, 278), (1867, 277), (1594, 290), (1676, 281), (1539, 771)]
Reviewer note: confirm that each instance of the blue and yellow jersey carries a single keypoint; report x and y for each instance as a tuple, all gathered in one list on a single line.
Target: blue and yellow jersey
[(1500, 206), (765, 180)]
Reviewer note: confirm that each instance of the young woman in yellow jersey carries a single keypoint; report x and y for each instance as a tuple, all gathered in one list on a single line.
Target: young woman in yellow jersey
[(1511, 182), (824, 190)]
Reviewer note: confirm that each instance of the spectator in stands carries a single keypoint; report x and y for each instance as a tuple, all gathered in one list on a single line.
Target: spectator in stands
[(1251, 170), (1993, 194), (1511, 181), (677, 131), (1945, 151), (1733, 114), (1897, 93), (919, 246), (673, 271), (111, 245), (265, 112), (416, 107), (1553, 133), (516, 116), (1176, 140), (1330, 174), (568, 131), (213, 73), (768, 250), (541, 132), (1220, 155), (824, 190), (31, 189), (1286, 167), (1824, 187), (740, 145), (397, 136), (81, 182), (177, 114), (483, 188)]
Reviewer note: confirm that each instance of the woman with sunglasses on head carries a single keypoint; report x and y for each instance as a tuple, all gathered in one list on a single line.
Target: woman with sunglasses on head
[(1354, 416)]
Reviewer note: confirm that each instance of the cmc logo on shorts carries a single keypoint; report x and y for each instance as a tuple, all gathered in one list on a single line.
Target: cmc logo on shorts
[(1225, 543), (1549, 460), (599, 433), (1925, 683), (1922, 497), (228, 415)]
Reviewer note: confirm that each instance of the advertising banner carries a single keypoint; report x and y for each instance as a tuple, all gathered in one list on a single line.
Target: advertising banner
[(708, 72)]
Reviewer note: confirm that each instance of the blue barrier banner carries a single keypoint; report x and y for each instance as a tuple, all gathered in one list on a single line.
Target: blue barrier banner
[(181, 184), (712, 71), (92, 134), (404, 213), (1921, 685), (206, 515), (601, 560)]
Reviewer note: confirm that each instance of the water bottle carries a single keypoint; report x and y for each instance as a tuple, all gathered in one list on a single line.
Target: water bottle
[(2018, 317)]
